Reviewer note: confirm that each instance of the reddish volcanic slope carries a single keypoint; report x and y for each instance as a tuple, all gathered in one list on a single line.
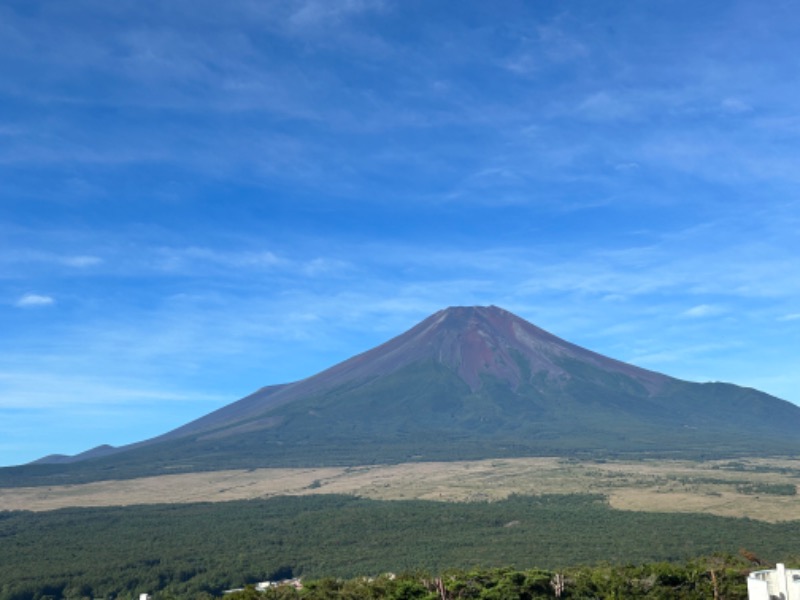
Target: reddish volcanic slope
[(473, 340), (470, 340)]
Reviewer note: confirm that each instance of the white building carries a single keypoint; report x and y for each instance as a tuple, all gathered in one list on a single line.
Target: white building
[(779, 583)]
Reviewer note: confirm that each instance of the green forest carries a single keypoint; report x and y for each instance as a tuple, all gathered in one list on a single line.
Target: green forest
[(204, 549), (711, 577)]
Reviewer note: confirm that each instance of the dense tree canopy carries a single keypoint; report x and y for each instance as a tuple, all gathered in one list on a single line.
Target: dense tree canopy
[(187, 550)]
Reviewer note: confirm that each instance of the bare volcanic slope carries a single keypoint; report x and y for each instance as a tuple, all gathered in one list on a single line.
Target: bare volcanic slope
[(465, 383), (474, 343)]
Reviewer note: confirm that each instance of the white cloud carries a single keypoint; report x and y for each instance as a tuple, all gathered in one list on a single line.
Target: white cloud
[(523, 64), (559, 45), (790, 317), (32, 300), (603, 106), (702, 310), (324, 266), (315, 12), (24, 256), (81, 261), (735, 106), (50, 390), (187, 259)]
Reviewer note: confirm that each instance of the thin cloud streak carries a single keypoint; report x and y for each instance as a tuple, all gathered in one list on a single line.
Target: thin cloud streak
[(35, 391), (34, 300)]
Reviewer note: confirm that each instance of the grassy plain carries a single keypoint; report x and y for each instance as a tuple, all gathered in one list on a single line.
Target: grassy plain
[(757, 488)]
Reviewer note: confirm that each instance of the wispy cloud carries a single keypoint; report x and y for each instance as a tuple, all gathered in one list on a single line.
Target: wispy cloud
[(25, 256), (81, 261), (34, 300), (320, 13), (36, 390), (735, 105), (605, 106), (703, 310)]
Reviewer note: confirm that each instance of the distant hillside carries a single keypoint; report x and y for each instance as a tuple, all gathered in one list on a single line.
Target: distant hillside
[(465, 383)]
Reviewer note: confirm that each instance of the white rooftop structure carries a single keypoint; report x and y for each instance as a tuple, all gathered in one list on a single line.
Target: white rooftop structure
[(779, 583)]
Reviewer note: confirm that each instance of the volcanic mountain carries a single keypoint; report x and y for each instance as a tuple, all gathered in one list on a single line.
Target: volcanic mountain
[(467, 382)]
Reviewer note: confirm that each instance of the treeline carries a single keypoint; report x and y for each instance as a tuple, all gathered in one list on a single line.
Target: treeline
[(722, 577), (203, 549)]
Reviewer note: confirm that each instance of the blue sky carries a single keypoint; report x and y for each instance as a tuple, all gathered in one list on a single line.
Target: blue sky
[(201, 198)]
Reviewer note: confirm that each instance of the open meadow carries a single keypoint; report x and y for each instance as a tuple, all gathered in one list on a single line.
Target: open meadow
[(757, 488)]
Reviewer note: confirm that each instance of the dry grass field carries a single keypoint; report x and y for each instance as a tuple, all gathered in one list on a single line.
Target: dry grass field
[(756, 488)]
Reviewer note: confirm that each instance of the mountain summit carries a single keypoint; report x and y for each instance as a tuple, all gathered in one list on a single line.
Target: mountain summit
[(476, 343), (467, 382)]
